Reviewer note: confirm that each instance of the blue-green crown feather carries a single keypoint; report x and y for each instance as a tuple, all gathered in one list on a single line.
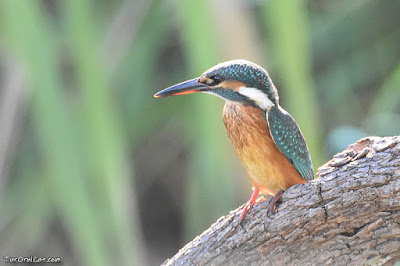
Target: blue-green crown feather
[(252, 75)]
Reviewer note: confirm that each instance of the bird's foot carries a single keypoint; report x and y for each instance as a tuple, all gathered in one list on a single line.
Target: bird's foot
[(273, 201), (248, 206), (253, 200)]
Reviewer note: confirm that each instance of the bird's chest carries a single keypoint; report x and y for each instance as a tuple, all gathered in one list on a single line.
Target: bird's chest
[(267, 167)]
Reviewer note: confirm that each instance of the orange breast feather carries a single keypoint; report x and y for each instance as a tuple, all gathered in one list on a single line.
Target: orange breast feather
[(266, 165)]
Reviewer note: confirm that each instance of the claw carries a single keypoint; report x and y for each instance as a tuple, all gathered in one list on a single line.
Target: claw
[(273, 201)]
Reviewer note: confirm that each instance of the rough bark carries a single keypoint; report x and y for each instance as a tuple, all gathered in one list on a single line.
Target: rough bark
[(349, 215)]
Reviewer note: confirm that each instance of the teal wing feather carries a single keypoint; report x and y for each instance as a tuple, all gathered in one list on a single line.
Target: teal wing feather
[(290, 141)]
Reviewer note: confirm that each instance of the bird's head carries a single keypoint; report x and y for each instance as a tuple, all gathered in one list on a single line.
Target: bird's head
[(234, 81)]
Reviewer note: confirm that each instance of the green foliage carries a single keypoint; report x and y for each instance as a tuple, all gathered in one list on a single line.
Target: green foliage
[(81, 167)]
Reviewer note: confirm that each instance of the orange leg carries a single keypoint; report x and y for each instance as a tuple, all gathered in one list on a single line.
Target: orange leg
[(273, 201), (249, 204)]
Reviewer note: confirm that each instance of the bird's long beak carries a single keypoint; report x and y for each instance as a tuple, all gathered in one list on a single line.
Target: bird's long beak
[(186, 87)]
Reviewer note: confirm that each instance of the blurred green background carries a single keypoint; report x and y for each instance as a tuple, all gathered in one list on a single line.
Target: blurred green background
[(96, 171)]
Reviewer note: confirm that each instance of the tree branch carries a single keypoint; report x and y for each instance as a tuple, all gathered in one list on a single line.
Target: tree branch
[(349, 215)]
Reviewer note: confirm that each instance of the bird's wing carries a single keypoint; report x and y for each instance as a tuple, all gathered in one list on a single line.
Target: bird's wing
[(290, 141)]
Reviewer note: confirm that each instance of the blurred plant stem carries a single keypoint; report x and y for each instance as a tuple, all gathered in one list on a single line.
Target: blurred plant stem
[(54, 125), (104, 139), (81, 148), (12, 108), (287, 22), (135, 75), (210, 188)]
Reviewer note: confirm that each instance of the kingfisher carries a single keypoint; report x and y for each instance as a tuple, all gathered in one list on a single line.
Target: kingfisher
[(266, 138)]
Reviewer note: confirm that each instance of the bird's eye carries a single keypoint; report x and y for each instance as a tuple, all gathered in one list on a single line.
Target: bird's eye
[(215, 80)]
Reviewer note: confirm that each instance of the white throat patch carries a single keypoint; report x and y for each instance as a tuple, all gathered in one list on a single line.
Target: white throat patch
[(260, 98)]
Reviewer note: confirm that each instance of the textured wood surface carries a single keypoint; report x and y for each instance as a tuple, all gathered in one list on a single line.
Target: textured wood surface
[(349, 215)]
